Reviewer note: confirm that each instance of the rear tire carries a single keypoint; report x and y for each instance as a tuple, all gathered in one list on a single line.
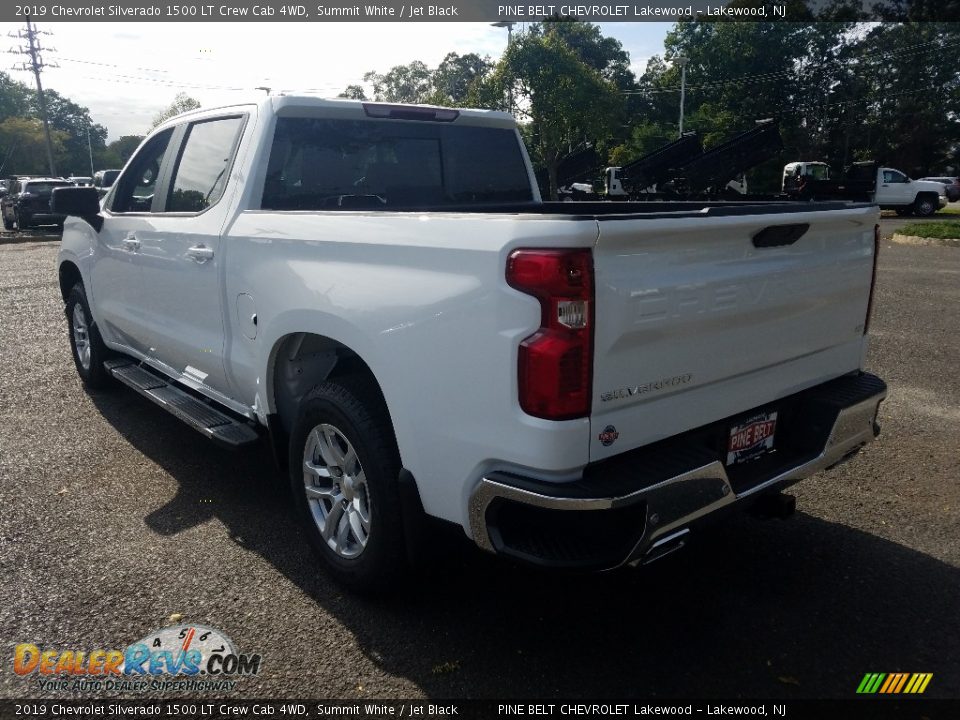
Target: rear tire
[(86, 345), (7, 223), (925, 206), (344, 466)]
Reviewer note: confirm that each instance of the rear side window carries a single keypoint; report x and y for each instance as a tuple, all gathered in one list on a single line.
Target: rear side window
[(201, 174), (318, 164)]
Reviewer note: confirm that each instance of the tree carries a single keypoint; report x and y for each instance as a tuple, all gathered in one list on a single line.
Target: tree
[(181, 104), (73, 122), (410, 83), (117, 153), (455, 77), (15, 97), (23, 146), (564, 104), (354, 92)]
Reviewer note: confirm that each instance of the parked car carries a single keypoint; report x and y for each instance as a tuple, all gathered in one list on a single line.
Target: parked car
[(81, 180), (27, 204), (951, 185)]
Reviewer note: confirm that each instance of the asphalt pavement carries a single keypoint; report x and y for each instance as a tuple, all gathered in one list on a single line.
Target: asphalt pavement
[(118, 520)]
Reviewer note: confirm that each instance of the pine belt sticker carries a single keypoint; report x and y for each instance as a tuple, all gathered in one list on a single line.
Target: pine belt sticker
[(608, 436)]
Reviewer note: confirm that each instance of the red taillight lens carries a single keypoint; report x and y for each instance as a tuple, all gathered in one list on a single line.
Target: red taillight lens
[(873, 277), (555, 370)]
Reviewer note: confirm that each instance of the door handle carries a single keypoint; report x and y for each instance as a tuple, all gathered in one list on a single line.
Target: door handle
[(200, 253), (131, 243)]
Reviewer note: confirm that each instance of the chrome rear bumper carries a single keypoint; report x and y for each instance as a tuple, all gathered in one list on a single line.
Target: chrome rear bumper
[(666, 509)]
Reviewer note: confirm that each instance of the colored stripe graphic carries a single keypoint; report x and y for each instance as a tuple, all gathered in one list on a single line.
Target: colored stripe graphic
[(894, 683), (903, 680)]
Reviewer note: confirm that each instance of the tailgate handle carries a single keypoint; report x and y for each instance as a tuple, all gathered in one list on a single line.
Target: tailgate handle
[(777, 235)]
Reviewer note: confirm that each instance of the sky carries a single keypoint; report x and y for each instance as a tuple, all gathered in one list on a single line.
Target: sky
[(126, 73)]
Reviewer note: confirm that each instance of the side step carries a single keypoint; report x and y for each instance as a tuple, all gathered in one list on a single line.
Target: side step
[(216, 425)]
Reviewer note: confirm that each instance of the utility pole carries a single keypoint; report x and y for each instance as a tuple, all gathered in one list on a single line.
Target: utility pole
[(682, 62), (509, 26), (36, 65)]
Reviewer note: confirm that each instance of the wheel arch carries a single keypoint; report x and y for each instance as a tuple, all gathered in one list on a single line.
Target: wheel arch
[(299, 361), (69, 275)]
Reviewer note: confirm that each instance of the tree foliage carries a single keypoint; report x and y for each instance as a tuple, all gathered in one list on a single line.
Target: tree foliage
[(842, 91), (23, 146), (69, 127), (410, 83), (181, 104), (450, 83), (564, 104)]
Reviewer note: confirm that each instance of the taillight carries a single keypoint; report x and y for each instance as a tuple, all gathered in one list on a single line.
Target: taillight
[(555, 371), (873, 277)]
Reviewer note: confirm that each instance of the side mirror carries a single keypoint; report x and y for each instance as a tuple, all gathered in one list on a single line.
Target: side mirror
[(82, 202)]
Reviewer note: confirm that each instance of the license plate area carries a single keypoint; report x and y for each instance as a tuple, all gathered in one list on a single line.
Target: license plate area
[(752, 438)]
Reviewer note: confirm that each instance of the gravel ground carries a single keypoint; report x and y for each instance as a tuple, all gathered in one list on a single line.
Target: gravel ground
[(117, 517)]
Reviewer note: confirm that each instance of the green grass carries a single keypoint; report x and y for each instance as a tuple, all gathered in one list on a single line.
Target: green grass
[(950, 210), (946, 228)]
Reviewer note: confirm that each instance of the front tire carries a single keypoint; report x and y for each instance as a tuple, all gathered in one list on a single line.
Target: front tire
[(344, 466), (86, 345)]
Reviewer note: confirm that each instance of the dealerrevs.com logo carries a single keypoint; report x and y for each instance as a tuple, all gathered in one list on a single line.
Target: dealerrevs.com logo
[(178, 658)]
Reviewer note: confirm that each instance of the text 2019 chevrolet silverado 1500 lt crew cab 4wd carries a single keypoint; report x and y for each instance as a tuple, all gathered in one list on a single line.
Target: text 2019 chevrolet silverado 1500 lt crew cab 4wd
[(380, 290)]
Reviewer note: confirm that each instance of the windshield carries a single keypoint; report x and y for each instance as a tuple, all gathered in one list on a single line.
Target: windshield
[(320, 164)]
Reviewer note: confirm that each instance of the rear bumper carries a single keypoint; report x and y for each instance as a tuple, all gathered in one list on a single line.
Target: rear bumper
[(640, 505), (44, 217)]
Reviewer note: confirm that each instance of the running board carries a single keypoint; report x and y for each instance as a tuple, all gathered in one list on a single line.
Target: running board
[(213, 423)]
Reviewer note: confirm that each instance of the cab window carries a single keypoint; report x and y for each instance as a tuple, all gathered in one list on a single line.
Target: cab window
[(136, 186), (201, 174)]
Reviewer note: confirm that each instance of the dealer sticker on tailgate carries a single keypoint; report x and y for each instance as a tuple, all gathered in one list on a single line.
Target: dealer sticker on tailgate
[(751, 438)]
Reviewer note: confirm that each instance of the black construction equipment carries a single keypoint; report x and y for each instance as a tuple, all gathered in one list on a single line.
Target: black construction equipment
[(712, 170), (656, 167)]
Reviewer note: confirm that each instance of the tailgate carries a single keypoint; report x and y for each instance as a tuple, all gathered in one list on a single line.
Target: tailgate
[(695, 323)]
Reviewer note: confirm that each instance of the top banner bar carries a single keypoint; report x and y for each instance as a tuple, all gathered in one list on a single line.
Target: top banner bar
[(506, 11)]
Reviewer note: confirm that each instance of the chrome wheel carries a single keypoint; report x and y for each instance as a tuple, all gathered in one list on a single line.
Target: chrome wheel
[(336, 490), (81, 335)]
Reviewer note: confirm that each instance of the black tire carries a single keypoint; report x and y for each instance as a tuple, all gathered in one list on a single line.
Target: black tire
[(364, 560), (24, 222), (925, 205), (89, 365), (7, 223)]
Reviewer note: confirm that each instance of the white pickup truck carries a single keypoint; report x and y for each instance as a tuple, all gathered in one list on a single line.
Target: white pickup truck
[(380, 292), (889, 188)]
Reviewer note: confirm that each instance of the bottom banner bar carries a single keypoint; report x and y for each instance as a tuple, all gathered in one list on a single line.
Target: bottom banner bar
[(888, 708)]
